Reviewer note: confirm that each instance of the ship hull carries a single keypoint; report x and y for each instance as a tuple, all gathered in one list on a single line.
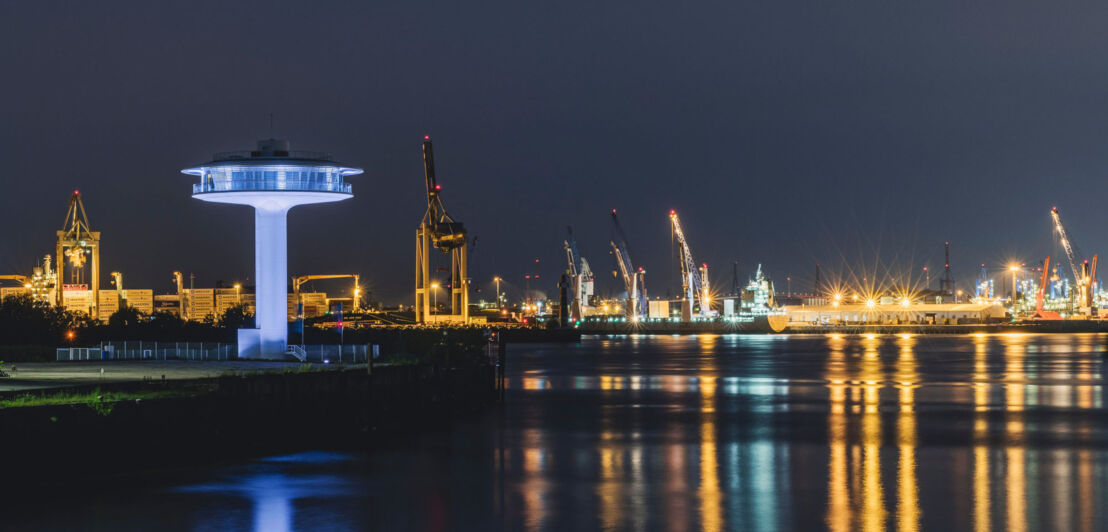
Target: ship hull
[(743, 325)]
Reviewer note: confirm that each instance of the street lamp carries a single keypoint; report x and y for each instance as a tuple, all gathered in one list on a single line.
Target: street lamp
[(1014, 269), (435, 296), (238, 294)]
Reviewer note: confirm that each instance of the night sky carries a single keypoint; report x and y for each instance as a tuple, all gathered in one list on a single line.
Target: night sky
[(783, 133)]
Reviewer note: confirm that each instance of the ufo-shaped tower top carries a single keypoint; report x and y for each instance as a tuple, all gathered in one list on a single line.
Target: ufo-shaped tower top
[(272, 167)]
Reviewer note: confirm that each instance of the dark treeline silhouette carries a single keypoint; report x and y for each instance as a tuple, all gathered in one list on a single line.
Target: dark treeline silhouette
[(31, 330), (24, 321)]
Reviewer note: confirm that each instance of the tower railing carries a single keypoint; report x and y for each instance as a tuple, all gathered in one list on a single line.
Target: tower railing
[(245, 185)]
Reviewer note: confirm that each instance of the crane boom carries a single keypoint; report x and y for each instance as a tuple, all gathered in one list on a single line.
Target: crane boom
[(1066, 244), (691, 282), (581, 278), (1090, 285), (23, 280), (1042, 286), (633, 280)]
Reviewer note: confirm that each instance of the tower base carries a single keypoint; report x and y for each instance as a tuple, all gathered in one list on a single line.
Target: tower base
[(253, 347)]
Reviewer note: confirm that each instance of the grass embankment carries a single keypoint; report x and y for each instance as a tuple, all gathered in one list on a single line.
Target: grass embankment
[(101, 402)]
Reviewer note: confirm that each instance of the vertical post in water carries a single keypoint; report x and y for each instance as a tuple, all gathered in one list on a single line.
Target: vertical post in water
[(502, 356)]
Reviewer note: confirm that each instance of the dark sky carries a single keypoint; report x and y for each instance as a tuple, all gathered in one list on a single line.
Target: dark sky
[(787, 133)]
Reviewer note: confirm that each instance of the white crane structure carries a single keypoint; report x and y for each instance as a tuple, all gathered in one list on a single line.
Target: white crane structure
[(581, 279), (117, 280), (1084, 276), (692, 282), (633, 280)]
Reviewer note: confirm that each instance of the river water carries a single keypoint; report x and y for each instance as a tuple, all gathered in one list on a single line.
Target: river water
[(703, 432)]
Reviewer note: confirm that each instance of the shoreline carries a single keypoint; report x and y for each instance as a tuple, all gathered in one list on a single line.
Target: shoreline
[(200, 421)]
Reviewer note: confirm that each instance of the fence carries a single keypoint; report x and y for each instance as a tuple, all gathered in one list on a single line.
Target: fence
[(336, 354), (138, 350)]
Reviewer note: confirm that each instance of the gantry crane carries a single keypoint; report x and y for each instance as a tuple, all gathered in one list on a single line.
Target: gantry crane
[(1083, 276), (581, 278), (297, 281), (633, 280), (438, 229), (75, 242), (691, 281)]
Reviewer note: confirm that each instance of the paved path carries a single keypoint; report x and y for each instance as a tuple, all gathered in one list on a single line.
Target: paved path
[(42, 375)]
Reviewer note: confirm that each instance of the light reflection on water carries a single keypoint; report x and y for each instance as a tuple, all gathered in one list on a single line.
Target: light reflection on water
[(709, 432), (1014, 391)]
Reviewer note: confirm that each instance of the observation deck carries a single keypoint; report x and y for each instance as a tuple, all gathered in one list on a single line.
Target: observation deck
[(271, 168)]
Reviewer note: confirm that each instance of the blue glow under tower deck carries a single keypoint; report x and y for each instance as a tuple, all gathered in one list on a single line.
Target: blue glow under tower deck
[(272, 179)]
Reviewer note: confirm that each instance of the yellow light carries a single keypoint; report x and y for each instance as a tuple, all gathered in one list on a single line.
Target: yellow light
[(906, 302), (28, 285), (834, 303), (238, 286), (1013, 268), (871, 303), (435, 286), (838, 297)]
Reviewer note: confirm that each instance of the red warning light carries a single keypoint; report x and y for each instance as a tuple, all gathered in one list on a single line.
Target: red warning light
[(438, 187), (613, 211), (672, 212), (427, 137), (77, 192)]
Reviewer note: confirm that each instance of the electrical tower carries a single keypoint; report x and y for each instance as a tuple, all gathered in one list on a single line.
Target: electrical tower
[(438, 229), (78, 244)]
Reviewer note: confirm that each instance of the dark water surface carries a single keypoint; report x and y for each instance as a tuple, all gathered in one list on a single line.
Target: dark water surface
[(706, 432)]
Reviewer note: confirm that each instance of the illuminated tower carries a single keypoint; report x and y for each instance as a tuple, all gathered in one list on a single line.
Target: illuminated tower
[(273, 180)]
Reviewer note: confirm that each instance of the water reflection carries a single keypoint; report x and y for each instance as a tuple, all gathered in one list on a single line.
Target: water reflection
[(273, 486), (844, 432)]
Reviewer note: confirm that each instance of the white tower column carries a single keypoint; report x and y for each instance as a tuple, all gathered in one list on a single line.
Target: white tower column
[(271, 278)]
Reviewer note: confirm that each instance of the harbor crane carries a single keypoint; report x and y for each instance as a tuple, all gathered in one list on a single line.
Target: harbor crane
[(1083, 276), (438, 229), (634, 281), (581, 279), (298, 281), (1041, 314), (75, 242), (693, 279)]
